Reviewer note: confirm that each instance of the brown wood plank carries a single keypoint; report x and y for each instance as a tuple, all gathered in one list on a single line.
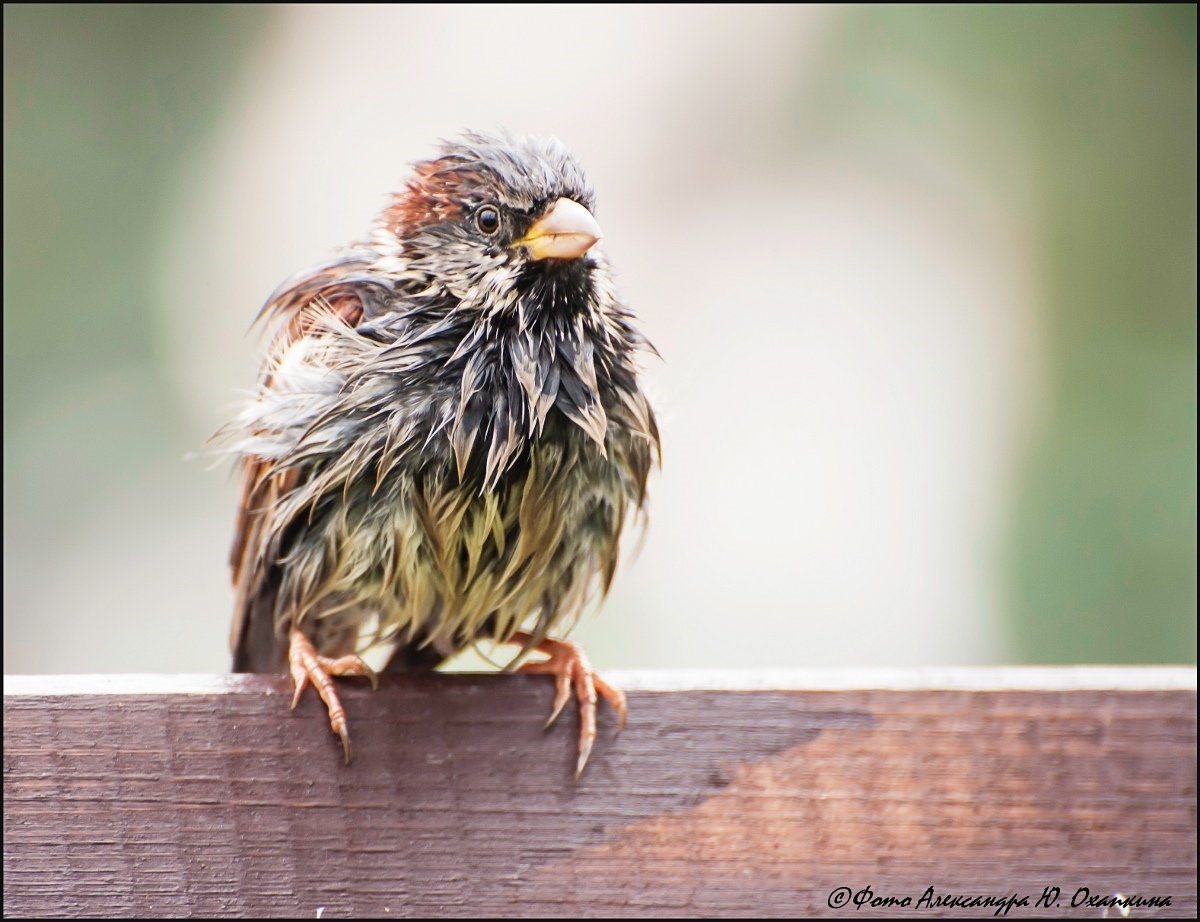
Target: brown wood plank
[(710, 802)]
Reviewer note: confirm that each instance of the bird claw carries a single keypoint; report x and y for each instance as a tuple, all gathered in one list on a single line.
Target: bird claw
[(570, 667), (309, 667), (300, 680), (371, 675), (340, 728), (562, 694), (585, 750)]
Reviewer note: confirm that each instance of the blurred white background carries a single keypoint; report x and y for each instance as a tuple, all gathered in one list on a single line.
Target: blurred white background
[(835, 238)]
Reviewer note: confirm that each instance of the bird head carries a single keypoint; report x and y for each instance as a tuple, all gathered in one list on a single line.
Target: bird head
[(492, 219)]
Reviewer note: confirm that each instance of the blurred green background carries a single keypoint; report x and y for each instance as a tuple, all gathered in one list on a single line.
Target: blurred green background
[(924, 279)]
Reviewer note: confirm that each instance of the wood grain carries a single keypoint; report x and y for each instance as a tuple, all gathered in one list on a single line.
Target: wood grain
[(711, 802)]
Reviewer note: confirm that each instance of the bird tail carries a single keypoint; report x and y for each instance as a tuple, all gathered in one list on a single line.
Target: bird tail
[(258, 648)]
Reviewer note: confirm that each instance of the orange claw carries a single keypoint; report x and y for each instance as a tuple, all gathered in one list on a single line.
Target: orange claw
[(307, 666), (569, 665)]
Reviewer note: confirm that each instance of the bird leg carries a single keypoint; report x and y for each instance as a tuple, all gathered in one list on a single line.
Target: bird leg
[(307, 666), (570, 667)]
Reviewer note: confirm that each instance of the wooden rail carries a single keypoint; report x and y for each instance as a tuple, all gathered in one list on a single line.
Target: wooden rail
[(725, 795)]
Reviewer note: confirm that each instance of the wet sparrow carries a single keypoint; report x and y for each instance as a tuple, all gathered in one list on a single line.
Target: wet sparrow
[(448, 434)]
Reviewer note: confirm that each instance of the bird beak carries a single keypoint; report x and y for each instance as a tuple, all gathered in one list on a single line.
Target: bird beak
[(567, 230)]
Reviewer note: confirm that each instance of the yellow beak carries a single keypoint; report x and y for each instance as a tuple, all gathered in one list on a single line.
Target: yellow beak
[(566, 231)]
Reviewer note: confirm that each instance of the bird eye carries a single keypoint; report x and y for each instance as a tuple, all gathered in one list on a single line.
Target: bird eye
[(487, 219)]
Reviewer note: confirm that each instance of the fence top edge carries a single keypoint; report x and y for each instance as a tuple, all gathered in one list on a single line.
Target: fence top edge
[(966, 678)]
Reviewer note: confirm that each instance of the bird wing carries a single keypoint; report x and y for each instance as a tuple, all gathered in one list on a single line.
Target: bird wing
[(344, 289)]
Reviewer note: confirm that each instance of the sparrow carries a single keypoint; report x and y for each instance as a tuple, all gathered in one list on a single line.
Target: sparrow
[(448, 436)]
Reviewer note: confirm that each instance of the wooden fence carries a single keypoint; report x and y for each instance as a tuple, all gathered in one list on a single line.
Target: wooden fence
[(772, 794)]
